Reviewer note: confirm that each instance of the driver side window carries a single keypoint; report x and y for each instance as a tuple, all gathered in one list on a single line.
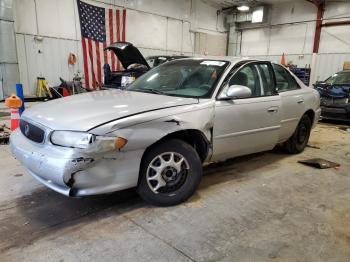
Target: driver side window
[(249, 77)]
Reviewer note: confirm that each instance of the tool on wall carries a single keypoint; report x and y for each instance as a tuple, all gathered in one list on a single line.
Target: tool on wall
[(72, 59)]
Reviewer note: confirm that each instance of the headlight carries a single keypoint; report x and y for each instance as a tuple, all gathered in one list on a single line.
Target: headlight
[(72, 139), (87, 141)]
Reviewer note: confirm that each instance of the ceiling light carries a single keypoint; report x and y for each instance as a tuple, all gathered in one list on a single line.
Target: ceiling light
[(243, 8)]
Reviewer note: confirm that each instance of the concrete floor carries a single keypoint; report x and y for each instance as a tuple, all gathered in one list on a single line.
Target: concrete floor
[(264, 207)]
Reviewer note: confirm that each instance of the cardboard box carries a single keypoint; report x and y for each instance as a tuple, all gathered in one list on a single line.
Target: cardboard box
[(346, 66)]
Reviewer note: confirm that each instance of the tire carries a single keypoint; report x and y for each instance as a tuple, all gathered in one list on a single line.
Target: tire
[(162, 164), (298, 141)]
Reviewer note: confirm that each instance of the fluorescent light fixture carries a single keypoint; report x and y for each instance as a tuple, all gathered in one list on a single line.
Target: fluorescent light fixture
[(243, 8)]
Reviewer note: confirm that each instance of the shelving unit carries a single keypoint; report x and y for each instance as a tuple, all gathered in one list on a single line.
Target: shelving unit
[(302, 73)]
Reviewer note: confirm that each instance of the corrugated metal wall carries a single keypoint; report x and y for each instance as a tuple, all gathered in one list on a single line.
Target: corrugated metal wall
[(292, 32), (8, 57), (156, 27)]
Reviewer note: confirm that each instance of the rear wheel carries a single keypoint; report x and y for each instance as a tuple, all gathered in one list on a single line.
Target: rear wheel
[(170, 173), (298, 141)]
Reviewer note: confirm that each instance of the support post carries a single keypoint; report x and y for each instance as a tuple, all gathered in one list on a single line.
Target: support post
[(19, 92), (320, 13), (320, 4), (313, 75)]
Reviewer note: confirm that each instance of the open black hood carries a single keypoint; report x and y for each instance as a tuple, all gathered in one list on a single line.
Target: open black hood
[(127, 54)]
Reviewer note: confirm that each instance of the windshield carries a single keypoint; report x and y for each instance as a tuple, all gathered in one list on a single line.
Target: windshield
[(185, 78), (339, 78)]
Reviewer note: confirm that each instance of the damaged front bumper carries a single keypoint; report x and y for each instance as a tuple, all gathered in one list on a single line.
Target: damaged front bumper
[(336, 112), (73, 173)]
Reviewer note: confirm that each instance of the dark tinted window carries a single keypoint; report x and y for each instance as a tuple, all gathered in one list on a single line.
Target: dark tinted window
[(284, 80)]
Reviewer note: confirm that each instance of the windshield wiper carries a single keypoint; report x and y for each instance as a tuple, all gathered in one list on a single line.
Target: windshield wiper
[(149, 90)]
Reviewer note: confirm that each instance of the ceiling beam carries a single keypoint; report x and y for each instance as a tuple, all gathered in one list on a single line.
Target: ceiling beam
[(316, 2)]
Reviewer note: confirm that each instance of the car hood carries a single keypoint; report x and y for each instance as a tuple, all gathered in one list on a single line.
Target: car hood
[(334, 91), (85, 111), (127, 54)]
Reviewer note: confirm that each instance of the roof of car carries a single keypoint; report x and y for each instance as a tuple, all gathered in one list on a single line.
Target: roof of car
[(231, 59), (166, 56)]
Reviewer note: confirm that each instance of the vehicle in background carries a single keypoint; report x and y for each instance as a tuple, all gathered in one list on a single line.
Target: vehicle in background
[(133, 62), (154, 61), (157, 134), (335, 96)]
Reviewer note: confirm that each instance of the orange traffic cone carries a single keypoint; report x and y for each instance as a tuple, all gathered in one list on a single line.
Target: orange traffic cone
[(14, 118), (14, 102), (283, 59)]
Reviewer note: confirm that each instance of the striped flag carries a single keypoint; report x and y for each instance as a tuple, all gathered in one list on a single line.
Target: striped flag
[(99, 28)]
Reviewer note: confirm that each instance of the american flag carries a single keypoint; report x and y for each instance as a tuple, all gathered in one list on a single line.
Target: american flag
[(99, 28)]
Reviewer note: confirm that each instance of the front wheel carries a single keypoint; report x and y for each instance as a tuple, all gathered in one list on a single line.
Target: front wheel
[(298, 141), (170, 173)]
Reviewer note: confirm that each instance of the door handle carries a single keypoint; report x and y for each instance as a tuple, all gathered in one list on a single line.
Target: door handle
[(300, 101), (272, 109)]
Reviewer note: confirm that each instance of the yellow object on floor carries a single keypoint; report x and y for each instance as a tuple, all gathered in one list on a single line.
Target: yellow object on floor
[(42, 88)]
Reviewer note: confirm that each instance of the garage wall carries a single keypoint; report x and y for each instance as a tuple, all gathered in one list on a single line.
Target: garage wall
[(8, 56), (48, 30), (292, 32)]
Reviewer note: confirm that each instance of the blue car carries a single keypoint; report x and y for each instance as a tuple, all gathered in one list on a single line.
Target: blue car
[(335, 96)]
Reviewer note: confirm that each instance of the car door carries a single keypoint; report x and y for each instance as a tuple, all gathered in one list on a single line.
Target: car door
[(244, 126), (292, 101)]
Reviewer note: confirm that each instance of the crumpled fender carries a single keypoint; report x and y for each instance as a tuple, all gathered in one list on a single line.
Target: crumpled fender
[(145, 129)]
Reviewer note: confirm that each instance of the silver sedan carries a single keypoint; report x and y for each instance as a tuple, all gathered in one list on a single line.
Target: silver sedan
[(157, 134)]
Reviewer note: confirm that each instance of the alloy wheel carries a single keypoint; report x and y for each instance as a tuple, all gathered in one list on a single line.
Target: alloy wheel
[(167, 172)]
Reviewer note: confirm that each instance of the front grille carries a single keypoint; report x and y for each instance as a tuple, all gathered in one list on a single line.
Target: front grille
[(31, 131)]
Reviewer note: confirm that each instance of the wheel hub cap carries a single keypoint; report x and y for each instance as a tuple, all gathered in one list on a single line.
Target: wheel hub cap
[(167, 172)]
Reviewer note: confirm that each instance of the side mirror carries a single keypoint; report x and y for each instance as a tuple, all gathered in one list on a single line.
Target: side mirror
[(238, 91)]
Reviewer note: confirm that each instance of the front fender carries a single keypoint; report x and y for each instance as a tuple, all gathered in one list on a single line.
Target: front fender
[(141, 135), (145, 134)]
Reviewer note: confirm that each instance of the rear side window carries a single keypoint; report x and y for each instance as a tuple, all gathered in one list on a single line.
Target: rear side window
[(284, 80)]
